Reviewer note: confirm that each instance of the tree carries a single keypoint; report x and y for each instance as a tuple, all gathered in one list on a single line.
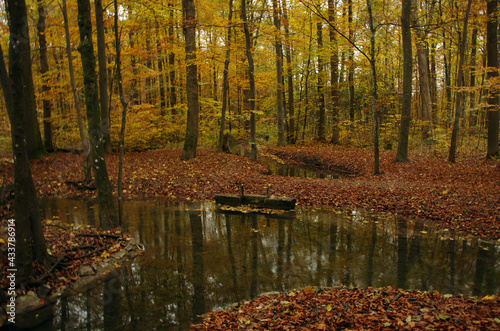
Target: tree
[(493, 98), (279, 75), (321, 95), (189, 26), (291, 136), (103, 75), (404, 127), (87, 163), (334, 75), (225, 82), (30, 241), (460, 83), (34, 143), (251, 77), (107, 212), (44, 68)]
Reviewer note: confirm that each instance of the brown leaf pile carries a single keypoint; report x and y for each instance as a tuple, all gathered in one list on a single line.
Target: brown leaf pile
[(464, 196), (358, 309)]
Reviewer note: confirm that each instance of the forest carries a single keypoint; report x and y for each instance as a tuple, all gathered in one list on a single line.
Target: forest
[(393, 106)]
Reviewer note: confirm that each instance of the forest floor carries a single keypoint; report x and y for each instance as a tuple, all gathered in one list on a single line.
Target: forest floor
[(463, 197)]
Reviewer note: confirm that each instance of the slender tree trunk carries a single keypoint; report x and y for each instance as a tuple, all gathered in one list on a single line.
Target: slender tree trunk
[(352, 105), (460, 83), (30, 241), (171, 61), (279, 75), (189, 26), (161, 76), (291, 136), (334, 63), (251, 77), (103, 76), (472, 83), (107, 212), (87, 164), (375, 115), (321, 95), (225, 82), (493, 98), (404, 127), (44, 68), (124, 116)]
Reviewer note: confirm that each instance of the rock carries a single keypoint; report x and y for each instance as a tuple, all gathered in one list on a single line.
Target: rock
[(43, 291), (85, 271), (118, 255)]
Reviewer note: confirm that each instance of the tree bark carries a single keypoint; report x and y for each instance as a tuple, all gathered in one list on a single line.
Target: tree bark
[(352, 105), (404, 127), (291, 136), (334, 62), (171, 62), (18, 20), (30, 241), (87, 163), (107, 212), (225, 81), (321, 95), (493, 97), (189, 26), (375, 116), (103, 76), (459, 94), (279, 75), (251, 77), (44, 68)]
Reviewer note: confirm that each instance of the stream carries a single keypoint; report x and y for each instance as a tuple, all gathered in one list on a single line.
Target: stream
[(198, 260)]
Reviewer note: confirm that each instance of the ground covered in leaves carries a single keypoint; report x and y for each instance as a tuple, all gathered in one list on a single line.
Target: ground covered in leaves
[(358, 309), (463, 196)]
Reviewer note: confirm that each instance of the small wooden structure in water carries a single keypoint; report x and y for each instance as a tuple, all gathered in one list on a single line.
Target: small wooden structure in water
[(258, 201)]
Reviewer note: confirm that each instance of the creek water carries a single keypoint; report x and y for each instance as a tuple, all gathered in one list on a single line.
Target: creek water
[(198, 260)]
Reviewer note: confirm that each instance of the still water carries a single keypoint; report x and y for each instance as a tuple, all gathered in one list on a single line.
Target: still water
[(198, 260)]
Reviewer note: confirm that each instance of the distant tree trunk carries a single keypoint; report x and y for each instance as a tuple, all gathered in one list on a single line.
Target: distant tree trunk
[(171, 61), (291, 136), (34, 143), (189, 26), (334, 63), (225, 82), (124, 116), (404, 127), (107, 212), (30, 241), (460, 83), (423, 76), (350, 76), (447, 78), (161, 76), (493, 98), (472, 83), (103, 76), (251, 77), (375, 115), (44, 68), (321, 95), (279, 75), (87, 163)]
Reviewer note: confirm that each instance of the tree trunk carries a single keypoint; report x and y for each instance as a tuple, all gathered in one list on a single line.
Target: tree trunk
[(472, 82), (171, 61), (103, 76), (279, 75), (251, 77), (404, 127), (189, 26), (350, 78), (124, 116), (225, 82), (30, 241), (291, 137), (19, 20), (493, 98), (87, 163), (321, 95), (107, 212), (161, 76), (334, 62), (460, 83), (375, 116), (44, 68)]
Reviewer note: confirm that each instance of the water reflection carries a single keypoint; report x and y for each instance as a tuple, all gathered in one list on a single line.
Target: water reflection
[(198, 260)]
